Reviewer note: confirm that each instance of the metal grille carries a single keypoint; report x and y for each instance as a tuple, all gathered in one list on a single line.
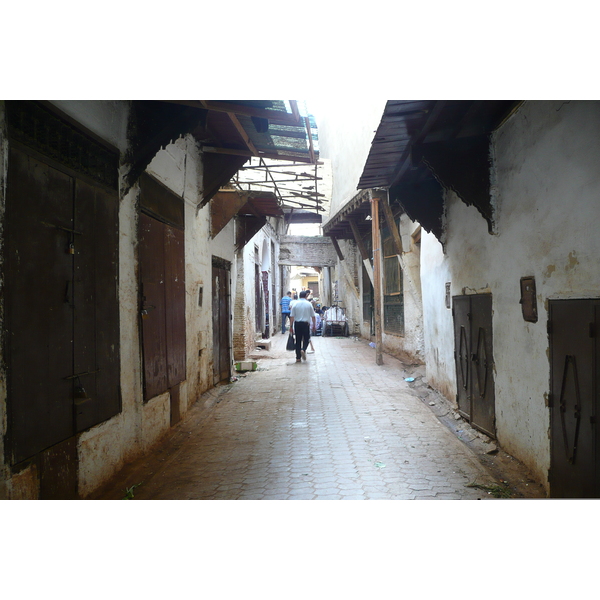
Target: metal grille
[(393, 300), (38, 128)]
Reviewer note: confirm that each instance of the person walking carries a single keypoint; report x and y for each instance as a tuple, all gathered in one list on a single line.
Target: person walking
[(285, 310), (301, 317)]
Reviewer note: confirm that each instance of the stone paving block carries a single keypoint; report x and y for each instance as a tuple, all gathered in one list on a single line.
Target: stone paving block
[(317, 432)]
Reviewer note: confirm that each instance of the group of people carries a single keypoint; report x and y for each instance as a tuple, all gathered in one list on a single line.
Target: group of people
[(303, 319)]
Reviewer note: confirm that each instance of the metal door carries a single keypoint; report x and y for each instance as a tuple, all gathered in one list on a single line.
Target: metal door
[(221, 319), (461, 310), (573, 393), (483, 413), (473, 351)]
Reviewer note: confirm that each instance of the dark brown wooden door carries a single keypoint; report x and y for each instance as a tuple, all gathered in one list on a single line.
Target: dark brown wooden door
[(473, 347), (221, 313), (162, 287), (574, 393), (152, 288), (62, 310)]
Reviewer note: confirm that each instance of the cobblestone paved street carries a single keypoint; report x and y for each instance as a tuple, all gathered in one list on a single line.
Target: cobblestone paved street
[(336, 427)]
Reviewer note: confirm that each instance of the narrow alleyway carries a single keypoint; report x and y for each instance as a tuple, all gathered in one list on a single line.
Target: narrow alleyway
[(334, 427)]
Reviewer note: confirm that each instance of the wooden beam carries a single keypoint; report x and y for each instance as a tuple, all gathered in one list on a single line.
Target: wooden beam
[(247, 153), (311, 149), (273, 116), (337, 248), (295, 111), (223, 207), (377, 279), (391, 223), (362, 248), (243, 133), (344, 269)]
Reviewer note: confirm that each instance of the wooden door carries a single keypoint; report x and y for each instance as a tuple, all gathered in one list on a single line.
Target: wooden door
[(39, 307), (473, 351), (573, 398), (221, 314), (62, 310), (162, 288)]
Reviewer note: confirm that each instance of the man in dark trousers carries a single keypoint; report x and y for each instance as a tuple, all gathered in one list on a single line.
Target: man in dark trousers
[(300, 322)]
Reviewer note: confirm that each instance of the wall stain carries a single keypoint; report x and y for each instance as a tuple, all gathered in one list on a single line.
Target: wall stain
[(573, 261), (549, 270)]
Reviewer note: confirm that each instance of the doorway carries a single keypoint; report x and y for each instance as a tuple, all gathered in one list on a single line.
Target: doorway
[(574, 386), (473, 345), (62, 313), (221, 313)]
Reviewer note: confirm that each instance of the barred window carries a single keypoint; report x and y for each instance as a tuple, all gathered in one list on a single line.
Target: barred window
[(367, 298), (393, 298)]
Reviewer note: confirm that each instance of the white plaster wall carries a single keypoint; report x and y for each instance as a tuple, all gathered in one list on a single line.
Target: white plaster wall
[(346, 131), (106, 447), (548, 197), (437, 319), (107, 119)]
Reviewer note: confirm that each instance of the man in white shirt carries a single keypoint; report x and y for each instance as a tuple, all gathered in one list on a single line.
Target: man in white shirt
[(301, 315)]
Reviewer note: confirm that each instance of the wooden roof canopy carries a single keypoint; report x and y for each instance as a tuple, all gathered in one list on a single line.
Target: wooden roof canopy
[(229, 132), (423, 147)]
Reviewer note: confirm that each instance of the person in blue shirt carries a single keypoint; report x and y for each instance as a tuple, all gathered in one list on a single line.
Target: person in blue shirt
[(285, 310)]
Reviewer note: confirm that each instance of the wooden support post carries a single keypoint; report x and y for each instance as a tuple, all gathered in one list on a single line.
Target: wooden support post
[(377, 279), (362, 248)]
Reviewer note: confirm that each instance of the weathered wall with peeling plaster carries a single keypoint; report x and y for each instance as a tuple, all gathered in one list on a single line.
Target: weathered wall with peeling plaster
[(106, 447), (547, 195)]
